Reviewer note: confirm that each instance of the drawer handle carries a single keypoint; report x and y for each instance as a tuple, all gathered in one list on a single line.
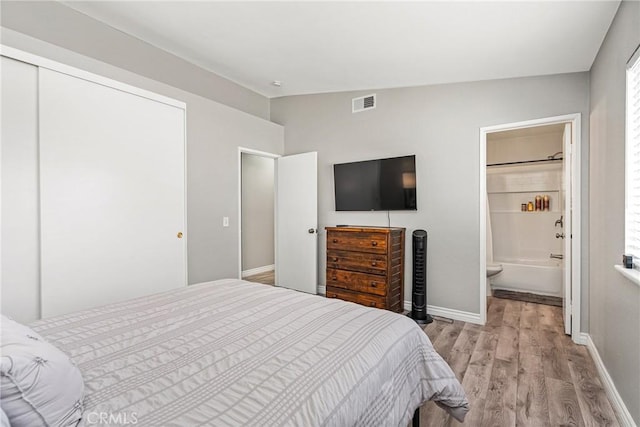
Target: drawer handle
[(372, 304), (334, 278), (335, 240), (374, 285), (373, 264), (374, 243), (335, 259)]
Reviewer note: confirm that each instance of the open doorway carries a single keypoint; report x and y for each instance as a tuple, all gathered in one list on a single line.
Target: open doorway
[(257, 216), (530, 233), (293, 189)]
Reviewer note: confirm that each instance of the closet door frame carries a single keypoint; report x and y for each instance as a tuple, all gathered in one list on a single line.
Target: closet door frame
[(46, 63)]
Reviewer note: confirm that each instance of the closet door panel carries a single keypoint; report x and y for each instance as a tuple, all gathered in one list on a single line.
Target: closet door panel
[(112, 194), (20, 266)]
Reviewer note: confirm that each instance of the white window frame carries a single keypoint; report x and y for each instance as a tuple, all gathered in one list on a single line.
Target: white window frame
[(632, 160)]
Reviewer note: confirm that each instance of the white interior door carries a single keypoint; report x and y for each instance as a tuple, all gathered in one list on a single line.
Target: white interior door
[(297, 222), (112, 194), (567, 213), (19, 236)]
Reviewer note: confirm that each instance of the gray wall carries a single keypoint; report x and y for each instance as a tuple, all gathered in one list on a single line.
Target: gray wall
[(615, 301), (63, 26), (257, 211), (214, 133), (440, 125)]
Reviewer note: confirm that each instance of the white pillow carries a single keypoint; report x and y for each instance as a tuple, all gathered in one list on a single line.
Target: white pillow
[(41, 386)]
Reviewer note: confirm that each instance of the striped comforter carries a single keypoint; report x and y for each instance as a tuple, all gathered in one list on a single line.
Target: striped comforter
[(230, 352)]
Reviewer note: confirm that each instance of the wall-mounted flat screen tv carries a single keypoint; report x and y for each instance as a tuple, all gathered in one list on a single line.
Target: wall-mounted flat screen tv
[(376, 185)]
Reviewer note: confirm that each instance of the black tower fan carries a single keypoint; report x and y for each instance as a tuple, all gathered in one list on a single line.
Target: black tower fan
[(419, 294)]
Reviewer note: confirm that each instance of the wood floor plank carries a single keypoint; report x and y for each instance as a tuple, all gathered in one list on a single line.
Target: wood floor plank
[(475, 414), (596, 408), (487, 341), (447, 337), (432, 415), (556, 364), (529, 315), (267, 278), (511, 315), (529, 341), (547, 317), (434, 328), (500, 406), (495, 314), (508, 344), (459, 361), (461, 351), (549, 338), (531, 403), (478, 374), (580, 355), (467, 338), (558, 313), (564, 409)]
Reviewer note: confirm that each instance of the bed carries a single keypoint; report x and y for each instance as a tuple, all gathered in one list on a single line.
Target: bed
[(231, 352)]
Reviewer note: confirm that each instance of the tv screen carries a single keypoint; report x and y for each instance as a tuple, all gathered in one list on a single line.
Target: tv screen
[(376, 185)]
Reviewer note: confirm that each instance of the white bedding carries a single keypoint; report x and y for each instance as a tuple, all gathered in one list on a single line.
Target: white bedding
[(231, 352)]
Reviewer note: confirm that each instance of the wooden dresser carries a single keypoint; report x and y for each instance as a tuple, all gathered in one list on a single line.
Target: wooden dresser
[(365, 265)]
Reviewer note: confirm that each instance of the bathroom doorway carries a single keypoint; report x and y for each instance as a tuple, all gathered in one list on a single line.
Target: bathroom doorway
[(530, 234)]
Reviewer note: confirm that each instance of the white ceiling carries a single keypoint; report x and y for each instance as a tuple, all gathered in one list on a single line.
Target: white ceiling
[(317, 47)]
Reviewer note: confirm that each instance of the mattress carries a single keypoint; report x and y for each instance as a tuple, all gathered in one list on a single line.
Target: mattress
[(231, 352)]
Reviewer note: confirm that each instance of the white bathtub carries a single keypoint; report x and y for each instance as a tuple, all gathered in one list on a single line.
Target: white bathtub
[(542, 277)]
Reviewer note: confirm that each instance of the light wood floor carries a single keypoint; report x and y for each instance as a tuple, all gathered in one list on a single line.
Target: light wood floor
[(520, 369), (267, 278)]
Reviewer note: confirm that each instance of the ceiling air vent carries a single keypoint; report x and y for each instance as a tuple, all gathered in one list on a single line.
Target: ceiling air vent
[(363, 103)]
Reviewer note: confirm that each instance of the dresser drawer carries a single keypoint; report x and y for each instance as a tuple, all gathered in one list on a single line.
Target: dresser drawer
[(357, 261), (358, 282), (357, 241), (363, 299)]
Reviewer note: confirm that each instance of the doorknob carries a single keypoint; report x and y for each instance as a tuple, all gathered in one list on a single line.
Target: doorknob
[(311, 230)]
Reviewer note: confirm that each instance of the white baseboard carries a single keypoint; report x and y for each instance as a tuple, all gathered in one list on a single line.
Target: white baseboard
[(624, 417), (582, 338), (449, 313), (258, 270)]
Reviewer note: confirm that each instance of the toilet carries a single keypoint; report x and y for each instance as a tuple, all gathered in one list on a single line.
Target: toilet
[(493, 269)]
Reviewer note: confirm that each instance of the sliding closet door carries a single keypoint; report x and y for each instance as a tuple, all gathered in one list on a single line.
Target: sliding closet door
[(112, 194), (20, 266)]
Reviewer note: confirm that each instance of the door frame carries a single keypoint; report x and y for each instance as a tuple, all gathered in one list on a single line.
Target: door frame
[(576, 212), (258, 153)]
